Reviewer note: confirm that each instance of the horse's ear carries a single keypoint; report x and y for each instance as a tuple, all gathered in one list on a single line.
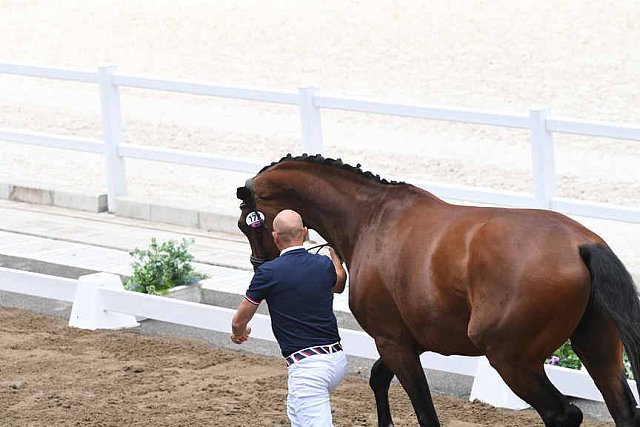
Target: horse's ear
[(243, 193)]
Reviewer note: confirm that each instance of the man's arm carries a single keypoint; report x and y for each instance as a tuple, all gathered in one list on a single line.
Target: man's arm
[(341, 274), (239, 329)]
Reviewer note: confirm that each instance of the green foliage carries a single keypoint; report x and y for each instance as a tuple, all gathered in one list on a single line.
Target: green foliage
[(162, 267), (565, 357)]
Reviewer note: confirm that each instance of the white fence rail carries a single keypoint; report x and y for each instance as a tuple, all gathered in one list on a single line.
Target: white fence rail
[(310, 104), (100, 302), (37, 285)]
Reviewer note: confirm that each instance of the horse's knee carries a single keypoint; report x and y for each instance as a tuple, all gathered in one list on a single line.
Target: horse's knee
[(381, 376)]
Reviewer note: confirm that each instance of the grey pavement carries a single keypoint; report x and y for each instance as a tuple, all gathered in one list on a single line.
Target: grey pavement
[(72, 243)]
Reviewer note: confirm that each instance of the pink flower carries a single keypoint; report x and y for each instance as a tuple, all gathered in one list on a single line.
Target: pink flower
[(554, 360)]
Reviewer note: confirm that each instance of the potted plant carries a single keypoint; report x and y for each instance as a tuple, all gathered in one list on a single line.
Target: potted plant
[(165, 269)]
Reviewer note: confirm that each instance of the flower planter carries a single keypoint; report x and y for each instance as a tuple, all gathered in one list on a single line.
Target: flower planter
[(488, 386), (192, 293)]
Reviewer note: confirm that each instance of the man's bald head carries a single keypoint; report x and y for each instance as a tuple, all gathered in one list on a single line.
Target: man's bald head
[(289, 227)]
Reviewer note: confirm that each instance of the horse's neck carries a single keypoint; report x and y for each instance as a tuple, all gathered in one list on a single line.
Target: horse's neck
[(340, 216), (339, 229), (338, 205), (352, 216)]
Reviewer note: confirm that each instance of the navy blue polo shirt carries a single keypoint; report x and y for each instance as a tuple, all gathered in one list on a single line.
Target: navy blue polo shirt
[(298, 288)]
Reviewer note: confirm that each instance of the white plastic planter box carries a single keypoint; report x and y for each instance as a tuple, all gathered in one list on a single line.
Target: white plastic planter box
[(191, 293), (488, 386)]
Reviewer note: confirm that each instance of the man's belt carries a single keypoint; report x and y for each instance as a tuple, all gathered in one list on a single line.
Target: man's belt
[(312, 351)]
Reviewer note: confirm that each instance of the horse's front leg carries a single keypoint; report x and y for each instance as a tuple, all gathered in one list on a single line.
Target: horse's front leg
[(379, 382), (404, 361)]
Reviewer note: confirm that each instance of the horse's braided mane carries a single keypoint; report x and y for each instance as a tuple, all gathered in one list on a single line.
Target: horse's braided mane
[(338, 163)]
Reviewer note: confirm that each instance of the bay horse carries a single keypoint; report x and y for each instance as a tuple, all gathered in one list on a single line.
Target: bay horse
[(426, 275)]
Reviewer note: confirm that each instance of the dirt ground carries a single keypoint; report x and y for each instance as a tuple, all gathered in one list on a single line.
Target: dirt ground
[(51, 374), (580, 58)]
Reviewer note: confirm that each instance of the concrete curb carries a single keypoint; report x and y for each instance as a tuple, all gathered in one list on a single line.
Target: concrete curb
[(203, 219), (60, 197), (43, 267), (127, 207)]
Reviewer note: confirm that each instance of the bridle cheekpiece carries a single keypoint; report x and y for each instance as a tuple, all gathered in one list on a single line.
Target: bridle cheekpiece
[(255, 220)]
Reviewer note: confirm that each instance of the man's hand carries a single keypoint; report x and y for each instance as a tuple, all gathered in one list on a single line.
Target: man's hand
[(240, 329), (334, 256), (239, 339), (341, 274)]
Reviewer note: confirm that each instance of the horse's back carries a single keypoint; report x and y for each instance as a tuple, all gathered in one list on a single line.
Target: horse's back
[(466, 273)]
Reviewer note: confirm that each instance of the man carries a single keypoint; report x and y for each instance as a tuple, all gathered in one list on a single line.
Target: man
[(298, 287)]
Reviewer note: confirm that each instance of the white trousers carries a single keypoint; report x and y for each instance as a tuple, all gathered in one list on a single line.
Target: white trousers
[(310, 382)]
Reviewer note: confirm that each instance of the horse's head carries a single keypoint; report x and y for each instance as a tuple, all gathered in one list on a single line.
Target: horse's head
[(256, 224), (333, 198)]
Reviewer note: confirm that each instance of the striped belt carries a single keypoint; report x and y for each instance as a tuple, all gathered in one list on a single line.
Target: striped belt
[(312, 351)]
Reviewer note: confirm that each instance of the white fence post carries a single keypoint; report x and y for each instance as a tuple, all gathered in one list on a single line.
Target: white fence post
[(88, 310), (112, 133), (311, 127), (311, 122), (544, 185)]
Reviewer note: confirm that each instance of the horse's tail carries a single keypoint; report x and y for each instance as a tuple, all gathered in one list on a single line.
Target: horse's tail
[(612, 290)]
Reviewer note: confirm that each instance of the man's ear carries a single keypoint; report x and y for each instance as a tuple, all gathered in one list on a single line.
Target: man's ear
[(305, 233)]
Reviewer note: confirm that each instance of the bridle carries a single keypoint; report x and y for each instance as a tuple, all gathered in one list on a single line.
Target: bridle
[(255, 229), (318, 247), (259, 222)]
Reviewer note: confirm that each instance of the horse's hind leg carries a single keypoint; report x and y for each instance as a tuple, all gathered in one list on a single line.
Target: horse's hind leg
[(529, 381), (379, 382), (598, 345), (404, 361)]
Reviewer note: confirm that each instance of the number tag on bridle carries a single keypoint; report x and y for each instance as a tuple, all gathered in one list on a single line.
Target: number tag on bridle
[(255, 219)]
